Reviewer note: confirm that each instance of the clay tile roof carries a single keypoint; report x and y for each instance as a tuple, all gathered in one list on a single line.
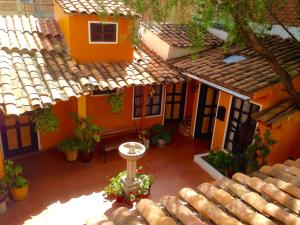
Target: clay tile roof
[(268, 197), (110, 7), (246, 76), (36, 69), (178, 35), (276, 113), (145, 69)]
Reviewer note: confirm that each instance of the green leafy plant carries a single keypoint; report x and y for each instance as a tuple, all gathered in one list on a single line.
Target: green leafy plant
[(116, 102), (258, 151), (68, 144), (86, 133), (12, 175), (45, 120), (3, 185), (115, 186), (158, 131), (224, 162)]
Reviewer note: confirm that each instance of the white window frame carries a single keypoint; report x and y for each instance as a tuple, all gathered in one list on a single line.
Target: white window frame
[(102, 42)]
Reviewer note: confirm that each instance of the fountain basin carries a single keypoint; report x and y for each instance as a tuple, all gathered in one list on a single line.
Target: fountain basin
[(132, 151)]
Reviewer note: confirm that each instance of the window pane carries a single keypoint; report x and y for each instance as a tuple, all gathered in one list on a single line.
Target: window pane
[(138, 91), (138, 112), (110, 28), (156, 110), (156, 100), (148, 111), (109, 37), (96, 32), (138, 101)]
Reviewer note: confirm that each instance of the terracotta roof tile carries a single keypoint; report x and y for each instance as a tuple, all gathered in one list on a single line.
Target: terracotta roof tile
[(178, 35), (36, 69), (246, 76), (276, 113), (110, 7), (268, 197)]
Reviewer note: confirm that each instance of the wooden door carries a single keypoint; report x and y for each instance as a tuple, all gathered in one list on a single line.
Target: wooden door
[(18, 135), (206, 113), (175, 101)]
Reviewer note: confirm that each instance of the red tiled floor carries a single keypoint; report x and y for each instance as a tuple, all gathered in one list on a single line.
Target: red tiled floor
[(53, 179)]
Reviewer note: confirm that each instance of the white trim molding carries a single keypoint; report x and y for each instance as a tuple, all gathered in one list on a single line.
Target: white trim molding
[(102, 42), (219, 87), (207, 167)]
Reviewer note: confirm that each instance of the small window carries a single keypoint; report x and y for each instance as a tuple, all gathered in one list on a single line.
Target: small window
[(99, 92), (102, 32), (234, 59), (153, 105)]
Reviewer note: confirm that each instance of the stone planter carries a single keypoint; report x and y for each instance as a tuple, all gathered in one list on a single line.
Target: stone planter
[(3, 199), (207, 167)]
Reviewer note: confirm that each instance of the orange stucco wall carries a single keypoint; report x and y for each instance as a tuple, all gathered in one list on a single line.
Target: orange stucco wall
[(288, 131), (75, 28), (63, 21), (65, 127), (220, 126), (100, 110)]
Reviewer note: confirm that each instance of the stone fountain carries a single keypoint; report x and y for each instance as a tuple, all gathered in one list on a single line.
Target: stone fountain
[(131, 151)]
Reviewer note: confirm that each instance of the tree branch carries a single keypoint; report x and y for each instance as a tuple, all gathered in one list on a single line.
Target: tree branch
[(266, 54), (281, 24)]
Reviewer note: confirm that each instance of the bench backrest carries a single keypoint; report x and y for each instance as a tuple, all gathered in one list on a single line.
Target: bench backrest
[(118, 131)]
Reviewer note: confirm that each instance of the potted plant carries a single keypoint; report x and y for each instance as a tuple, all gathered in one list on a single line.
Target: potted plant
[(70, 147), (45, 120), (146, 182), (18, 185), (224, 162), (131, 198), (87, 135), (116, 101), (160, 136), (115, 187), (3, 195)]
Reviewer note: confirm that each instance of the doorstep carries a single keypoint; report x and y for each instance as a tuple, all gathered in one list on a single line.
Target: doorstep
[(207, 167)]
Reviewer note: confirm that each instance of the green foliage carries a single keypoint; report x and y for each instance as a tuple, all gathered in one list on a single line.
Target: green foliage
[(158, 131), (3, 185), (86, 133), (116, 187), (258, 151), (45, 120), (68, 144), (12, 175), (224, 162), (116, 102)]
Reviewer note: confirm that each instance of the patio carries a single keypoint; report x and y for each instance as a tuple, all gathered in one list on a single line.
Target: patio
[(52, 179)]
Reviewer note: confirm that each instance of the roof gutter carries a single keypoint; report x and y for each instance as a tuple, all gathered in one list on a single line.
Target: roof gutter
[(219, 87)]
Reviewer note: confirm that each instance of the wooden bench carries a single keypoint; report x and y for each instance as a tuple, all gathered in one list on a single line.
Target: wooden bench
[(112, 138)]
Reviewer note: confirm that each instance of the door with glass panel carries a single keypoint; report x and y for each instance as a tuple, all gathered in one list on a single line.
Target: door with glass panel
[(18, 135), (206, 113), (241, 126), (175, 101)]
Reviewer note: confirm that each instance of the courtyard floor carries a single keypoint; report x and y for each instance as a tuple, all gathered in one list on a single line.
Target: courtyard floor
[(54, 182)]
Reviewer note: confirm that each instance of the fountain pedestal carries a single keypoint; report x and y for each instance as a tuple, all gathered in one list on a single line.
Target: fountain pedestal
[(131, 151)]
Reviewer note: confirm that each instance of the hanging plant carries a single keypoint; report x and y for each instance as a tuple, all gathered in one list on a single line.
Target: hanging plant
[(45, 120), (116, 102)]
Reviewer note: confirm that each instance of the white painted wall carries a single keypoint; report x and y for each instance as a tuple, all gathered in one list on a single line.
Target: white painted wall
[(162, 48)]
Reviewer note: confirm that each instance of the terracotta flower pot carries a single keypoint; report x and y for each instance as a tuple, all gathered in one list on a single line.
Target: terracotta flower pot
[(19, 193), (86, 157), (120, 198), (71, 156)]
